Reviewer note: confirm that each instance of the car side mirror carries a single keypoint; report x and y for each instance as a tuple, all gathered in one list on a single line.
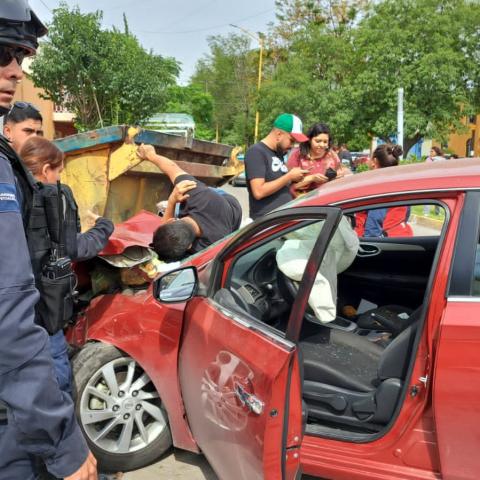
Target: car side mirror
[(177, 286)]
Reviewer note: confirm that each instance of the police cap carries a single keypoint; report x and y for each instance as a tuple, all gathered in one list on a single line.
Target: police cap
[(19, 26)]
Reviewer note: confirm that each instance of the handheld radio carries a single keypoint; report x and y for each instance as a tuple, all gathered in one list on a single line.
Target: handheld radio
[(58, 265)]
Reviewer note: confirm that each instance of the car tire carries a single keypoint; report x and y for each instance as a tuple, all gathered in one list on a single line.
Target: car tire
[(119, 409)]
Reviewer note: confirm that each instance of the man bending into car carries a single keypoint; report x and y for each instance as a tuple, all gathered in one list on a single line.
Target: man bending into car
[(205, 215)]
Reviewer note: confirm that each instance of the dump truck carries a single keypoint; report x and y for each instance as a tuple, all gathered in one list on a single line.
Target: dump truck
[(107, 177)]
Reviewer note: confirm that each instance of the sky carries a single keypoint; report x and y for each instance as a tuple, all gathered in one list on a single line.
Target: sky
[(178, 29)]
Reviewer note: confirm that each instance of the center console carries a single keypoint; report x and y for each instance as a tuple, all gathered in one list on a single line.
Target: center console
[(341, 323)]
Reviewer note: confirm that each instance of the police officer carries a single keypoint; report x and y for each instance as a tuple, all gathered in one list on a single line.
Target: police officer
[(37, 420)]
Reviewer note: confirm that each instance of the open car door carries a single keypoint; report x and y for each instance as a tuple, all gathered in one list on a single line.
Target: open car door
[(240, 376)]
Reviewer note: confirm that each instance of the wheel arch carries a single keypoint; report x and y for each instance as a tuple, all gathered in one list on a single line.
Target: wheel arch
[(132, 339)]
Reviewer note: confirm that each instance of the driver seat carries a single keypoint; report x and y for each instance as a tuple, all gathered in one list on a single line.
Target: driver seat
[(349, 380)]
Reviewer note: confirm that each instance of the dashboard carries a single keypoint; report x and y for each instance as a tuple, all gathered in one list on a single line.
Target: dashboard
[(254, 286)]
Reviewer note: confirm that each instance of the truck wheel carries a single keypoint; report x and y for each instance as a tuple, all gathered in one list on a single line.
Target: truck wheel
[(119, 409)]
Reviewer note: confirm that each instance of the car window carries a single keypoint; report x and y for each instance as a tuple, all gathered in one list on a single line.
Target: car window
[(465, 271), (256, 278), (476, 274), (400, 221)]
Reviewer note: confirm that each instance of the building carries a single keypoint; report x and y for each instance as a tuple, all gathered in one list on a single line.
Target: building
[(57, 122), (467, 144)]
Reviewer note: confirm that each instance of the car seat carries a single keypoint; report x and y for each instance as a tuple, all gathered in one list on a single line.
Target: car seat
[(351, 381), (388, 318)]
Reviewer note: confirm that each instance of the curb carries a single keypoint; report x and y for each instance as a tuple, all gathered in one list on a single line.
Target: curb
[(426, 222)]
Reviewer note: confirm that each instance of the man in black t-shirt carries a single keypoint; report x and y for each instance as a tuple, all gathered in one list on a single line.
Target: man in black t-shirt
[(267, 175), (205, 215)]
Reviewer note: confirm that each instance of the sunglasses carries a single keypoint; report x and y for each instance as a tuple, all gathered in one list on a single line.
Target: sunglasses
[(7, 54), (24, 105)]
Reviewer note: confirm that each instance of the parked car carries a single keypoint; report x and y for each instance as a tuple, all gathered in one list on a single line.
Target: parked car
[(359, 158), (223, 354), (239, 180)]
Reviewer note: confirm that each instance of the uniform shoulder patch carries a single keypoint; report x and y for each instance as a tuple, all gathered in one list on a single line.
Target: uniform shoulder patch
[(8, 198)]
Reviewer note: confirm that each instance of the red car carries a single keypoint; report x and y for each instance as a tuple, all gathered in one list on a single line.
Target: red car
[(224, 356)]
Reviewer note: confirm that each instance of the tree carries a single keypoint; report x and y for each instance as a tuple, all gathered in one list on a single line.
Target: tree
[(316, 62), (193, 100), (229, 75), (428, 47), (345, 69), (336, 16), (104, 77)]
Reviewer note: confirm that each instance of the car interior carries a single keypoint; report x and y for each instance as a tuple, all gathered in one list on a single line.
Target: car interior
[(354, 367)]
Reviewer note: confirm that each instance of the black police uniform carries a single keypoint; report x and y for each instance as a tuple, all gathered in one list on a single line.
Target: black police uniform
[(40, 419)]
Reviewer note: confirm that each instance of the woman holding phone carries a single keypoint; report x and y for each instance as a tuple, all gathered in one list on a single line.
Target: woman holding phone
[(316, 156)]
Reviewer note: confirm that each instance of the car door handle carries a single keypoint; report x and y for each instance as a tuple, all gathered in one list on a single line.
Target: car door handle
[(367, 250), (249, 400)]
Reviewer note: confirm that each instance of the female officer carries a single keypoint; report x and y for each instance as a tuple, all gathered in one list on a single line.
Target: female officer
[(45, 161)]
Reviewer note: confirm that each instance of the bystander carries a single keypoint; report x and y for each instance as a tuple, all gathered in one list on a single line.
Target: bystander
[(268, 178), (204, 214)]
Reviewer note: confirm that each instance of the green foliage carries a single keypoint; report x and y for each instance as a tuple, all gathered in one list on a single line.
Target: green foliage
[(316, 66), (363, 167), (342, 61), (412, 159), (426, 47), (102, 76), (310, 83), (229, 75), (194, 101)]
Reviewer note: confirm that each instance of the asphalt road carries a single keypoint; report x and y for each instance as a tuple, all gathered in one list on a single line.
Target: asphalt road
[(241, 194), (179, 465), (176, 465)]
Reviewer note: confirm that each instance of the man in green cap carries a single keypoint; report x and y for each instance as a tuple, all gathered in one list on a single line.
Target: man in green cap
[(267, 175)]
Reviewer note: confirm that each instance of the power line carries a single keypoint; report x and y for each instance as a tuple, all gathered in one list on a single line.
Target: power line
[(192, 13), (125, 5), (46, 6), (208, 28)]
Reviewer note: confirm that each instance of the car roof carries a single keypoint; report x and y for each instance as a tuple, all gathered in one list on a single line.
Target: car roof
[(458, 174)]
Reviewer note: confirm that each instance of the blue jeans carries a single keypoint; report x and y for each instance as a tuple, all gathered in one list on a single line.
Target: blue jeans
[(63, 369)]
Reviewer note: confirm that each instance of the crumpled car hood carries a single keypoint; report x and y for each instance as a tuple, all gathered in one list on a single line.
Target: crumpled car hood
[(136, 231)]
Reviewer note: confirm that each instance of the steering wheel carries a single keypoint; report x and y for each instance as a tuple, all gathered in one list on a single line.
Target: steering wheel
[(246, 305), (289, 290)]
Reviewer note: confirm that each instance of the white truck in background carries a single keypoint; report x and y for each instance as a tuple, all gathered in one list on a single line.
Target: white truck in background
[(172, 123)]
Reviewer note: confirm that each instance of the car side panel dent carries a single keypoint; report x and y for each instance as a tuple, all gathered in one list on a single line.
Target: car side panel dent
[(146, 330)]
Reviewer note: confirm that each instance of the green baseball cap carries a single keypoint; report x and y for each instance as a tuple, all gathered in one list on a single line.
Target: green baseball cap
[(291, 124)]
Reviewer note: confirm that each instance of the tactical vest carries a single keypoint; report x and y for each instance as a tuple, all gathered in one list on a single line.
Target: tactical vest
[(51, 262)]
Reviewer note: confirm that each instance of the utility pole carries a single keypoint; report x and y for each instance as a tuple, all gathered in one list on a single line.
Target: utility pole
[(259, 39), (400, 118)]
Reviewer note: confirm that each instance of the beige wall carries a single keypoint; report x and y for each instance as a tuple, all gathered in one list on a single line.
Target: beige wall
[(27, 92)]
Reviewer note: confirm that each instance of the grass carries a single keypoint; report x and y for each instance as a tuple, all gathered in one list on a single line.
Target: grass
[(418, 210)]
